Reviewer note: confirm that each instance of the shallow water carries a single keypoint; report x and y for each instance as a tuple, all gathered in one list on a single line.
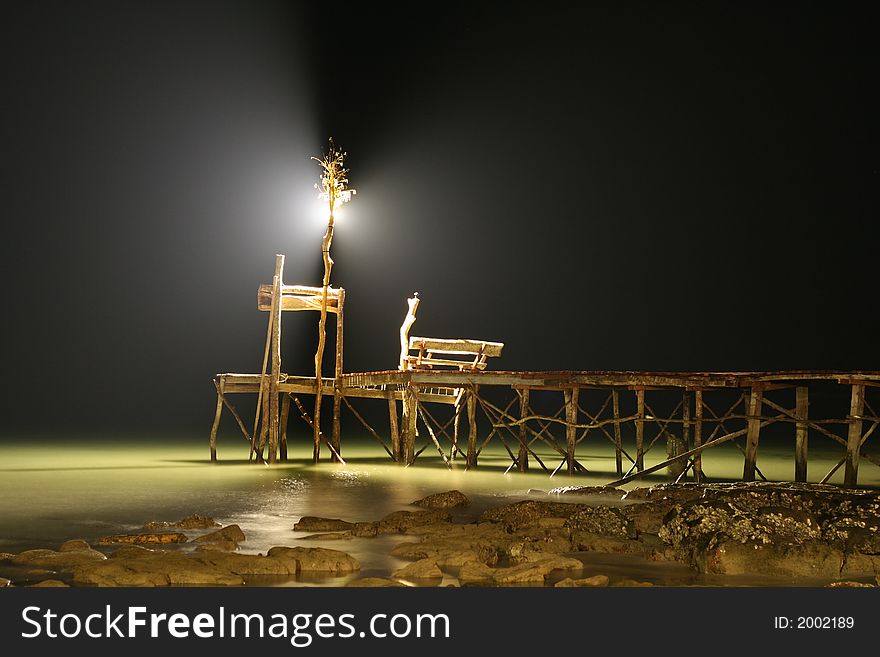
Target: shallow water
[(50, 492)]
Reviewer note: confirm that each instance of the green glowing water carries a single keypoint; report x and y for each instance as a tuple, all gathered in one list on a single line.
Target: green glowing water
[(56, 491)]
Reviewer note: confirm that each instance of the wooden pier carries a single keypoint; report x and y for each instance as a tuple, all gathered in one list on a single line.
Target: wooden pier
[(708, 409)]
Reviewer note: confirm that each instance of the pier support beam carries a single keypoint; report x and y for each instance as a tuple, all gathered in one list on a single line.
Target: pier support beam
[(802, 405), (285, 412), (337, 384), (571, 412), (456, 421), (640, 430), (216, 425), (854, 436), (395, 434), (472, 427), (753, 434), (522, 459), (276, 361), (615, 404), (698, 435), (410, 417)]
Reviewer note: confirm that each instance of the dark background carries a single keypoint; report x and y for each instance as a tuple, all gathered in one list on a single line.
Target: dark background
[(617, 185)]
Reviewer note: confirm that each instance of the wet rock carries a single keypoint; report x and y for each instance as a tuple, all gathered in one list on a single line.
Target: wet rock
[(695, 523), (443, 555), (5, 583), (132, 552), (74, 545), (474, 572), (647, 517), (316, 524), (374, 582), (446, 542), (592, 542), (231, 533), (631, 583), (365, 529), (593, 491), (249, 564), (157, 569), (315, 559), (727, 556), (534, 572), (57, 560), (521, 514), (331, 536), (50, 584), (421, 569), (194, 521), (401, 522), (537, 545), (6, 556), (860, 564), (849, 584), (604, 520), (163, 538), (219, 546), (447, 500), (594, 581)]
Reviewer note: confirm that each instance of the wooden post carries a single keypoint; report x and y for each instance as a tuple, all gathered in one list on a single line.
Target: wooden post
[(698, 435), (615, 404), (472, 426), (753, 434), (640, 430), (854, 436), (456, 419), (523, 458), (395, 434), (410, 417), (276, 362), (571, 408), (337, 383), (285, 412), (216, 426), (802, 404), (686, 420)]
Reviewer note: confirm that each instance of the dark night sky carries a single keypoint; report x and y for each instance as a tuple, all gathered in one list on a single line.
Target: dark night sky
[(615, 185)]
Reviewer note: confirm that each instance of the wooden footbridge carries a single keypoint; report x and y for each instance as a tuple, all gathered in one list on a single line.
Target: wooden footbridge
[(713, 408)]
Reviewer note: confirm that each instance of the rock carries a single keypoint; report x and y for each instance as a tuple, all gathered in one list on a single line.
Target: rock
[(446, 542), (726, 556), (475, 571), (447, 500), (592, 542), (593, 491), (421, 569), (156, 569), (6, 556), (374, 582), (400, 522), (536, 492), (521, 514), (219, 546), (57, 560), (331, 536), (534, 571), (50, 583), (132, 552), (230, 533), (860, 564), (74, 545), (316, 524), (162, 538), (632, 583), (5, 583), (194, 521), (365, 529), (647, 517), (604, 520), (594, 581), (848, 584), (315, 559), (249, 564)]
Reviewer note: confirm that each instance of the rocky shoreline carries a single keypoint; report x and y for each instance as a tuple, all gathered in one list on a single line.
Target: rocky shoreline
[(770, 529)]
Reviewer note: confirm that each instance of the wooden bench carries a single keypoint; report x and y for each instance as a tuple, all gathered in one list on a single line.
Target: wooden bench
[(462, 354)]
